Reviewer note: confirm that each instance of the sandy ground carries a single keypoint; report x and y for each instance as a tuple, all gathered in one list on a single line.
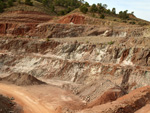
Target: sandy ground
[(42, 98), (145, 109), (29, 104)]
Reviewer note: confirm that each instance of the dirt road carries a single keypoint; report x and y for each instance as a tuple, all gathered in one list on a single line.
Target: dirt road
[(29, 103)]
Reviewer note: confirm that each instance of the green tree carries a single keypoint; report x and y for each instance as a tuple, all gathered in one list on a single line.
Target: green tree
[(101, 9), (93, 8), (83, 9), (87, 4), (113, 11), (108, 11), (61, 12), (132, 12), (105, 6), (2, 5)]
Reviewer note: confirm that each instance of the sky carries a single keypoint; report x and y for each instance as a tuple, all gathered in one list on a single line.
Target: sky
[(141, 8)]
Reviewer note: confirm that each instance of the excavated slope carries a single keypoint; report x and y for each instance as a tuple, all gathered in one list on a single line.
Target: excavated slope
[(126, 104), (22, 79), (93, 72), (38, 25)]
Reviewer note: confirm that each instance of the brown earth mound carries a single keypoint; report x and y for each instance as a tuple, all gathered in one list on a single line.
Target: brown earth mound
[(129, 103), (7, 106), (109, 96), (22, 79), (74, 18)]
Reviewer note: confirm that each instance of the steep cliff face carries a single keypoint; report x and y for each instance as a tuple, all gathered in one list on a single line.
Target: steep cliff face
[(52, 30), (92, 68)]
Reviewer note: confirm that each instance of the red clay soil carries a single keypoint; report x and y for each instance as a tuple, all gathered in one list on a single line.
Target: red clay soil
[(109, 96), (127, 104), (21, 22), (74, 18)]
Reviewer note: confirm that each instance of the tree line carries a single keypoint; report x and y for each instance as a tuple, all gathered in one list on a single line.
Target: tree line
[(70, 5), (101, 9), (9, 3)]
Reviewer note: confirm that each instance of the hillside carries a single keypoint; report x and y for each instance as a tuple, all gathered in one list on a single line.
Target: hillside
[(51, 7), (63, 7)]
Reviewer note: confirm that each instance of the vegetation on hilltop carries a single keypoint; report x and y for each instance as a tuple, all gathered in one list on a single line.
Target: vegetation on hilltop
[(63, 7), (100, 10)]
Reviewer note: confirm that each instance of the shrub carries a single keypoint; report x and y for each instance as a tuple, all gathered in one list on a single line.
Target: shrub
[(47, 39), (132, 22), (111, 42), (123, 14), (28, 2), (102, 16), (61, 12)]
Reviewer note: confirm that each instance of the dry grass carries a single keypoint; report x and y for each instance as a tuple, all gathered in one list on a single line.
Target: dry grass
[(146, 33)]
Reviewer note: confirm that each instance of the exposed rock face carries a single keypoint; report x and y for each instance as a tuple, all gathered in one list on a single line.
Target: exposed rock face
[(94, 68), (98, 74), (48, 30), (52, 30), (39, 25)]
